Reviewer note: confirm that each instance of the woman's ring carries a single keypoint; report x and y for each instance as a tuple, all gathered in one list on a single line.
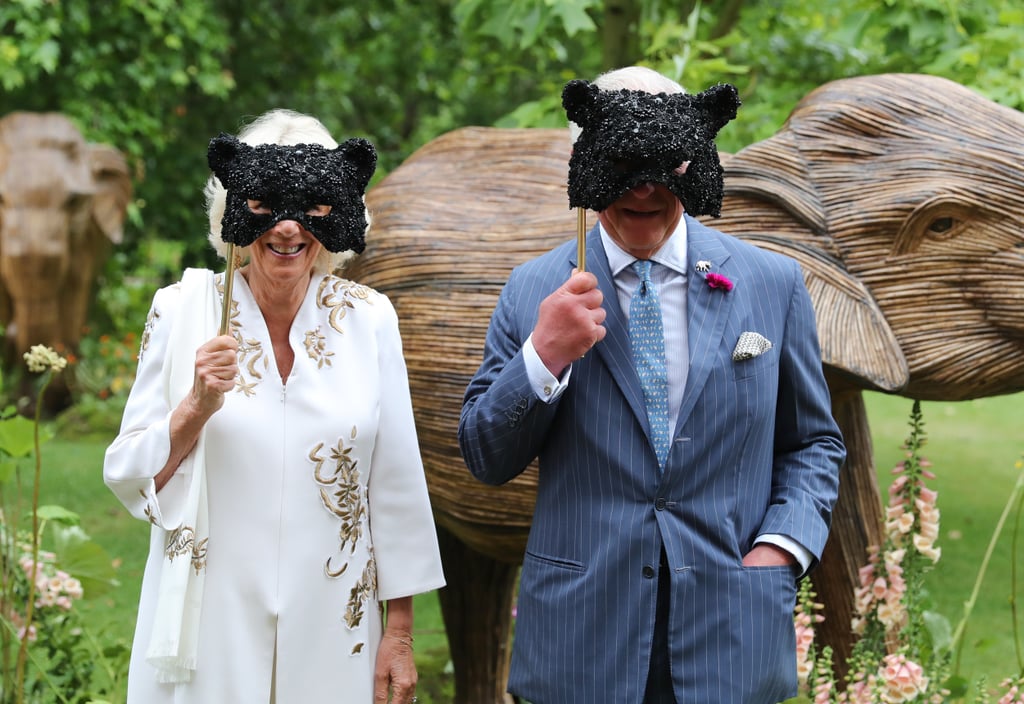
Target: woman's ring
[(414, 700)]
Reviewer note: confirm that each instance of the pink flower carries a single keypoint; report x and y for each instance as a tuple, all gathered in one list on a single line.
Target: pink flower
[(718, 281), (823, 691), (927, 549), (904, 679), (896, 489), (866, 574), (1013, 692)]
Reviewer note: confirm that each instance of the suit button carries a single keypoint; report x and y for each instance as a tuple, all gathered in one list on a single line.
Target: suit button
[(649, 572), (659, 505)]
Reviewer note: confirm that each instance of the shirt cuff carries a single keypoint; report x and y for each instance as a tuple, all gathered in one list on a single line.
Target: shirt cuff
[(545, 384), (802, 554)]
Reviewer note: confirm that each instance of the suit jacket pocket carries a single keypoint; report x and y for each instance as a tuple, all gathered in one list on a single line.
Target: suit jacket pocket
[(748, 368), (560, 562)]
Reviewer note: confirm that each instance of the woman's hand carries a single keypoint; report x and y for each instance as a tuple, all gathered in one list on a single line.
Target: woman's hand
[(395, 669), (216, 369)]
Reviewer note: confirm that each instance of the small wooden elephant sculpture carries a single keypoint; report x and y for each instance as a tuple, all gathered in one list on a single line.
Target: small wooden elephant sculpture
[(901, 197), (62, 204)]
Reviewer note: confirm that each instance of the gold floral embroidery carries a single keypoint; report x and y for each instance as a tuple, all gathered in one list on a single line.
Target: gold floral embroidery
[(316, 348), (252, 361), (342, 494), (147, 331), (337, 295), (182, 541), (148, 511), (363, 590)]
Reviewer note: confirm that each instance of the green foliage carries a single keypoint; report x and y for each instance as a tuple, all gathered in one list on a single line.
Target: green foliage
[(158, 78), (106, 367), (524, 23), (46, 655), (974, 43), (905, 651), (124, 290)]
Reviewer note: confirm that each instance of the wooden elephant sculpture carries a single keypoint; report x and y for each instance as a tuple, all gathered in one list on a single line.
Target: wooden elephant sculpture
[(62, 205), (902, 199)]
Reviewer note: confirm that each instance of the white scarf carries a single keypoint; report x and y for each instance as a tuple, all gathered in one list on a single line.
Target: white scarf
[(173, 644)]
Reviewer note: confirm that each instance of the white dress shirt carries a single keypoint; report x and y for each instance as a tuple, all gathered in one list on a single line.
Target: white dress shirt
[(670, 281)]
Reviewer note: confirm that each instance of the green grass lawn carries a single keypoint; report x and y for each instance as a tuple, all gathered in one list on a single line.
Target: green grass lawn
[(973, 446)]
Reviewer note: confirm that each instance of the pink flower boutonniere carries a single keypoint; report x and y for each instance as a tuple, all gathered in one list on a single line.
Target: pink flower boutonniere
[(718, 281)]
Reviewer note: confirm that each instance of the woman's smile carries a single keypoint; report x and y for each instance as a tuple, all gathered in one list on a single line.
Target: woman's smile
[(285, 250)]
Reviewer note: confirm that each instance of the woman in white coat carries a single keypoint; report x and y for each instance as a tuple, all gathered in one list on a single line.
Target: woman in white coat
[(278, 463)]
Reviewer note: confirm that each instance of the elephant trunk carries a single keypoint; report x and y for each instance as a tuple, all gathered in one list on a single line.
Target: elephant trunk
[(33, 267), (35, 323)]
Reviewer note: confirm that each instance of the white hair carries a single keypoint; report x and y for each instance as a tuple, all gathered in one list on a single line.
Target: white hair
[(286, 128), (638, 78)]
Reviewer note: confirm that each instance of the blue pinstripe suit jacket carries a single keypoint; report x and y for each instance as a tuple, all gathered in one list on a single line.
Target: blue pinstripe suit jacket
[(756, 450)]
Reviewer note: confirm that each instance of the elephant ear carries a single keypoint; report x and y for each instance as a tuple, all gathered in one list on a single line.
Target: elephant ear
[(359, 159), (113, 185), (855, 337), (222, 154), (578, 99), (769, 182)]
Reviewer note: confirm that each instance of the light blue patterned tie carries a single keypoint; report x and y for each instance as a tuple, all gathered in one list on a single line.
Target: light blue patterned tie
[(648, 340)]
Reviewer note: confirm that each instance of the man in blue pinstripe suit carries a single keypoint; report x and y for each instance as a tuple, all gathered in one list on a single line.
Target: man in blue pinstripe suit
[(657, 572)]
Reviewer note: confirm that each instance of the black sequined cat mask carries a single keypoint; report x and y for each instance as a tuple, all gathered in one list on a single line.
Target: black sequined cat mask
[(291, 181), (631, 137)]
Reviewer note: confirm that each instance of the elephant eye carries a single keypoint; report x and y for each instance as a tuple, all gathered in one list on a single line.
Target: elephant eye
[(934, 223), (75, 201)]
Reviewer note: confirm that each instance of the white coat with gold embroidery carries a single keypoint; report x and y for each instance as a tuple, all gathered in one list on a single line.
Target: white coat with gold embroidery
[(318, 506)]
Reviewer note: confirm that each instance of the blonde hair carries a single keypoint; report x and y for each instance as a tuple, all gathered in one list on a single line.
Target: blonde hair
[(638, 78), (286, 128)]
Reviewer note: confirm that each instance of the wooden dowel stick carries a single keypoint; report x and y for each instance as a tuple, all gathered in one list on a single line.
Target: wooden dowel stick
[(581, 239), (229, 279)]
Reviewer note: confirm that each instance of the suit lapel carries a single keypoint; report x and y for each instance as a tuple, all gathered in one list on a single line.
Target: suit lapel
[(707, 311), (614, 350)]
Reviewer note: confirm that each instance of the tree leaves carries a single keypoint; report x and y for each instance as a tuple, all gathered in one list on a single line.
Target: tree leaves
[(157, 79)]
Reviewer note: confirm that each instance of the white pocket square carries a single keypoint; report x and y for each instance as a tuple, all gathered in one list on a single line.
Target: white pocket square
[(750, 345)]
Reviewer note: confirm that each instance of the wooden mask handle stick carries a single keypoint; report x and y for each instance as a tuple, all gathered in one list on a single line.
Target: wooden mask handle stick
[(229, 279), (581, 239)]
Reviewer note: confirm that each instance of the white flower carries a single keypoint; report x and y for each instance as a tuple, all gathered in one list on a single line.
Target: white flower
[(40, 358), (73, 588)]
